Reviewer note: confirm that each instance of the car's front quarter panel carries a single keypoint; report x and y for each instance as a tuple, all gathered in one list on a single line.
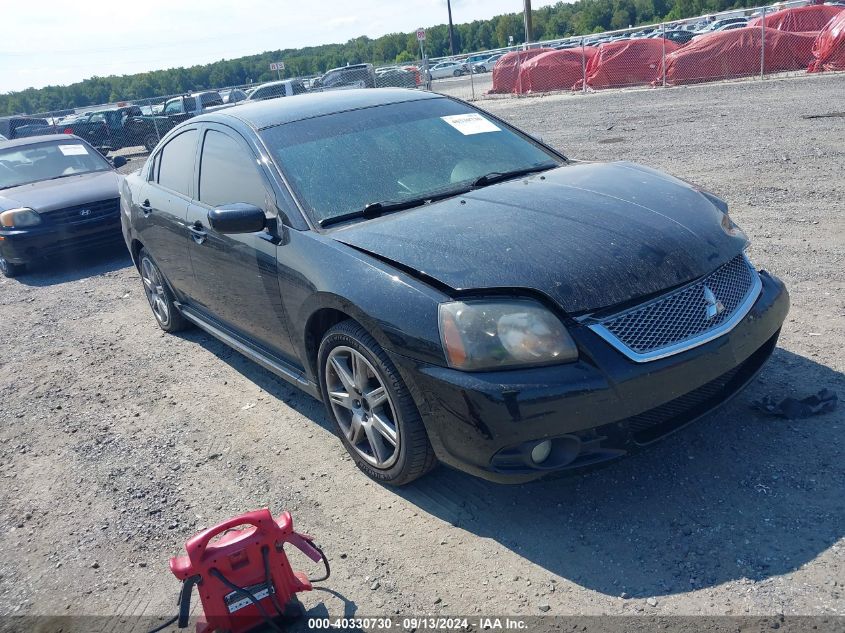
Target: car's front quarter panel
[(317, 273)]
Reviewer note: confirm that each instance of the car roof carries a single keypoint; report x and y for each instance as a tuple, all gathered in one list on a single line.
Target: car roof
[(274, 83), (264, 114), (20, 116), (34, 140), (110, 109), (349, 67)]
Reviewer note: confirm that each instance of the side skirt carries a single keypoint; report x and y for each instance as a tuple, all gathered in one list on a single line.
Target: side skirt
[(277, 366)]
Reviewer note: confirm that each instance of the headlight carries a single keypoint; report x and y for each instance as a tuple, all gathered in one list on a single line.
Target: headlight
[(729, 227), (494, 334), (19, 218)]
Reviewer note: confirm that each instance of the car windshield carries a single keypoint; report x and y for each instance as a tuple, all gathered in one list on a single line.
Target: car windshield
[(340, 163), (46, 161)]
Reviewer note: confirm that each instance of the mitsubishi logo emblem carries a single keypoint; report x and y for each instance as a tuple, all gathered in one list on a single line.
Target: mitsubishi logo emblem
[(714, 306)]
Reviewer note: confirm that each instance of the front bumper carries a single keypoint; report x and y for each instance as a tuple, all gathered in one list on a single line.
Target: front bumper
[(596, 409), (21, 246)]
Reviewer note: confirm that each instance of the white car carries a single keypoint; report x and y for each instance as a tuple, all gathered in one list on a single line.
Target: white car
[(730, 27), (486, 65), (719, 25), (446, 69)]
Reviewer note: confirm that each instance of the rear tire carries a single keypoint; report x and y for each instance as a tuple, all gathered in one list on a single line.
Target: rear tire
[(159, 296), (9, 269), (150, 142), (458, 73), (373, 411)]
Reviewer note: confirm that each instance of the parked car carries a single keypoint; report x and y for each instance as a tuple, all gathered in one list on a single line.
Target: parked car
[(353, 76), (642, 33), (472, 60), (451, 288), (415, 72), (186, 106), (57, 194), (730, 27), (149, 110), (679, 37), (22, 126), (395, 78), (718, 24), (446, 69), (486, 65), (176, 110), (275, 89), (112, 129), (232, 95)]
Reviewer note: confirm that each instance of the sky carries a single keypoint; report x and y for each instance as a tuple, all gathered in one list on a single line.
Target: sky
[(57, 42)]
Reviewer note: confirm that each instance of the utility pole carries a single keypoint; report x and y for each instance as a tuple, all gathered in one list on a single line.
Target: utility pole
[(527, 17), (451, 29)]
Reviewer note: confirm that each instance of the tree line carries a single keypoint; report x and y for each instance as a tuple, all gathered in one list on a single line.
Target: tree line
[(560, 20)]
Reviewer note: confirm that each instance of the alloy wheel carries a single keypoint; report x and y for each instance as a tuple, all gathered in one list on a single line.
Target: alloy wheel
[(154, 288), (362, 406)]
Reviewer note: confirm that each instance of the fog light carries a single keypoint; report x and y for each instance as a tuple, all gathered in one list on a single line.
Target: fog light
[(541, 452)]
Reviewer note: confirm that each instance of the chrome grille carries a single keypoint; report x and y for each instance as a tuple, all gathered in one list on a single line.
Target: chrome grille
[(686, 317), (83, 212)]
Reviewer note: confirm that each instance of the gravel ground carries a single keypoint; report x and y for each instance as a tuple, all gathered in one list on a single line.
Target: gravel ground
[(118, 442)]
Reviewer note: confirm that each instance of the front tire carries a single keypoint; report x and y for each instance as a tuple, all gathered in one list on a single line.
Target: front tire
[(373, 411), (158, 293), (9, 269)]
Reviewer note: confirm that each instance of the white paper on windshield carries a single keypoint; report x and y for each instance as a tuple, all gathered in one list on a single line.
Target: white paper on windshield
[(472, 123), (73, 150)]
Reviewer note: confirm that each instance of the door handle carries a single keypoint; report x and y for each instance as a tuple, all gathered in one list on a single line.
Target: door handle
[(198, 232)]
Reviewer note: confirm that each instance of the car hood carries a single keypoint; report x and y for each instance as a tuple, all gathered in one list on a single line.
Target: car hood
[(49, 195), (587, 235)]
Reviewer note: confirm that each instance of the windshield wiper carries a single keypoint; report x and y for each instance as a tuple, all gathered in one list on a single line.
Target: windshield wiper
[(498, 176), (64, 175), (377, 209)]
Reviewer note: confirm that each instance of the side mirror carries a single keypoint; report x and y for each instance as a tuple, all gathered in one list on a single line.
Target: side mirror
[(238, 217), (118, 161)]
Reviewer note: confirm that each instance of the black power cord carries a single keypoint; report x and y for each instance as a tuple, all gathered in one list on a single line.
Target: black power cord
[(165, 625), (184, 604), (271, 588), (325, 562)]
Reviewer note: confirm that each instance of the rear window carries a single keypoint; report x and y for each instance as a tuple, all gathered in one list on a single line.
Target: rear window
[(175, 162), (209, 99)]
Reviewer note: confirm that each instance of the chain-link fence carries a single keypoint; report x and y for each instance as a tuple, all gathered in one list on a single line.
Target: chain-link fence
[(741, 43), (731, 45)]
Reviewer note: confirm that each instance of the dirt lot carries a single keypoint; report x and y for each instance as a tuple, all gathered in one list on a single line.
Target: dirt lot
[(119, 442)]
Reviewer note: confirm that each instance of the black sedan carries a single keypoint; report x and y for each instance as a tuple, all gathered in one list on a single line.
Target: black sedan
[(450, 287), (57, 194)]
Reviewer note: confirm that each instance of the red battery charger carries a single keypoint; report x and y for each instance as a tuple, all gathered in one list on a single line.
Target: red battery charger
[(244, 578)]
